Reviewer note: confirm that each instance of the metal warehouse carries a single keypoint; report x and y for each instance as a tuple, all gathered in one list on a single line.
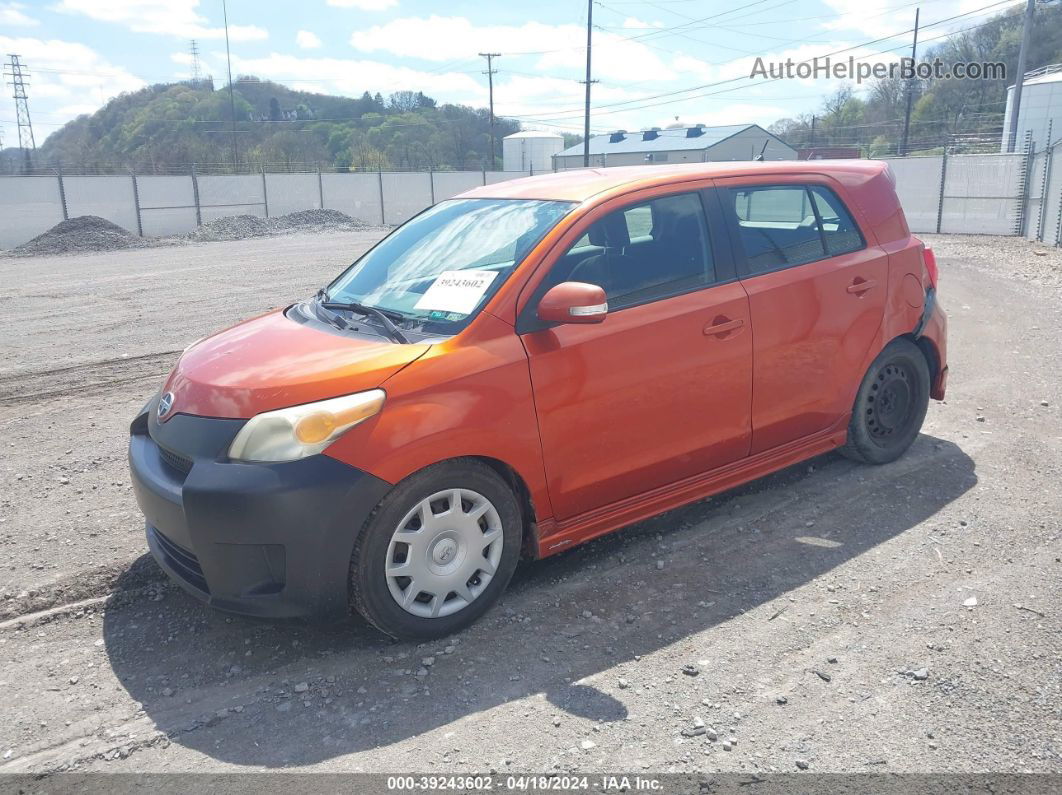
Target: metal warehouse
[(696, 144)]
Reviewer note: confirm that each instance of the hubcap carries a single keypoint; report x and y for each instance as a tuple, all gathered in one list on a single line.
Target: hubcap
[(890, 404), (444, 553)]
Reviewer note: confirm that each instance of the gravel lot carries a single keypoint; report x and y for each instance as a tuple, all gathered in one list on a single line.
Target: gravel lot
[(836, 617)]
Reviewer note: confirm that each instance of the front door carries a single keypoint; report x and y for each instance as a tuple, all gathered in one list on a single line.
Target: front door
[(662, 389), (816, 292)]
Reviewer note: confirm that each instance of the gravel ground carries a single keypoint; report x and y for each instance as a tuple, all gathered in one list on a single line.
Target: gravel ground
[(833, 617), (90, 233)]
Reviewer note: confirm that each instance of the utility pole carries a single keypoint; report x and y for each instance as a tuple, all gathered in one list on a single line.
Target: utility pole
[(22, 115), (586, 117), (232, 99), (491, 71), (811, 143), (1015, 105), (910, 90), (193, 50)]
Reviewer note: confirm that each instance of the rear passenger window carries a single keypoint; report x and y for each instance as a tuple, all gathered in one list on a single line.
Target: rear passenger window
[(785, 225), (644, 252)]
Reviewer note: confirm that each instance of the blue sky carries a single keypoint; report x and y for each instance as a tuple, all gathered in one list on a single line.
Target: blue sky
[(82, 52)]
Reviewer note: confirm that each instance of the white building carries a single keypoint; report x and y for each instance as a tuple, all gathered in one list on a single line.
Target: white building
[(1040, 111), (530, 150), (696, 144)]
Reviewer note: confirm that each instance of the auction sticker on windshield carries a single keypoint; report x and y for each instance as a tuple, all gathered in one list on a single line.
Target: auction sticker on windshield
[(456, 291)]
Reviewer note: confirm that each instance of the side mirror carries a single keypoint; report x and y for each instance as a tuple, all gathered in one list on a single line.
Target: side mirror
[(573, 302)]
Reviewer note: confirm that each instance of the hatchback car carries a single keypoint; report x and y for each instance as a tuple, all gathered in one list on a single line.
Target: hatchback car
[(528, 366)]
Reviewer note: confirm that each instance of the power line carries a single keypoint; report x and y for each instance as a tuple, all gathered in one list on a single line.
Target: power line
[(717, 83)]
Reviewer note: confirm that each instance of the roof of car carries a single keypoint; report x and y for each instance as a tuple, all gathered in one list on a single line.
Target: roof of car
[(581, 184)]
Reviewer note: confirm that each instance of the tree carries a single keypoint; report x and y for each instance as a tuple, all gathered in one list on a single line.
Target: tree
[(274, 109)]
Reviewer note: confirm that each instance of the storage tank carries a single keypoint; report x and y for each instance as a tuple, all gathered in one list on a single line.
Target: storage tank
[(530, 150), (1040, 111)]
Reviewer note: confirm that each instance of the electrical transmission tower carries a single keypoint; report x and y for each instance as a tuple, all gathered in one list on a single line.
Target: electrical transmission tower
[(193, 50), (14, 70)]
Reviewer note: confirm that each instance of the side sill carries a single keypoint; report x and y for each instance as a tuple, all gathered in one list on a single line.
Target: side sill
[(592, 524)]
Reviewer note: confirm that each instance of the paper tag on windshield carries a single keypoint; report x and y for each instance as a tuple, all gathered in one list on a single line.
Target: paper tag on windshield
[(456, 291)]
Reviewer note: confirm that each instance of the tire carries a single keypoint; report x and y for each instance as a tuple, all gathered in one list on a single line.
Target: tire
[(890, 406), (415, 531)]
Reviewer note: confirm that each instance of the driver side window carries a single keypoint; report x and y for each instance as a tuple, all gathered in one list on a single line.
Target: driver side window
[(644, 252)]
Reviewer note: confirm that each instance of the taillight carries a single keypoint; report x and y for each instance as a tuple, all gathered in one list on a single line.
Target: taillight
[(930, 260)]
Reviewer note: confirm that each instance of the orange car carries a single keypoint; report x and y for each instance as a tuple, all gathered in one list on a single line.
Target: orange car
[(530, 365)]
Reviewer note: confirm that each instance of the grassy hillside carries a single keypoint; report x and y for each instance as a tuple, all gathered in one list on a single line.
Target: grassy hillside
[(164, 128)]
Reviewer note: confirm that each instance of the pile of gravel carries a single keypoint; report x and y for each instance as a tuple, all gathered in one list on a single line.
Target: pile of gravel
[(87, 233), (83, 233), (231, 227), (241, 227)]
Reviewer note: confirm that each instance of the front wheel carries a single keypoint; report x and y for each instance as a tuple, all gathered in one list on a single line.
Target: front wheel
[(890, 406), (437, 552)]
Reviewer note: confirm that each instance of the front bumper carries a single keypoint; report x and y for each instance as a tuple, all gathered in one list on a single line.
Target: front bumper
[(271, 540)]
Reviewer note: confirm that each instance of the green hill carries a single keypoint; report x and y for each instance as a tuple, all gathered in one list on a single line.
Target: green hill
[(164, 128)]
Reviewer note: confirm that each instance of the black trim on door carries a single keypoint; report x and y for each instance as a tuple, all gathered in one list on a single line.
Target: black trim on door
[(719, 242)]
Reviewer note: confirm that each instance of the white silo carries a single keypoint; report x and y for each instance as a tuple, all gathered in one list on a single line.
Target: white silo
[(530, 150), (1040, 112)]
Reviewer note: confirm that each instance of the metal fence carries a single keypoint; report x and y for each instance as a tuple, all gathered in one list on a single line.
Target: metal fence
[(992, 194), (168, 205)]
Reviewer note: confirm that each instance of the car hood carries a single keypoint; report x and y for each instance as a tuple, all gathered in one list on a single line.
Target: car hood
[(272, 362)]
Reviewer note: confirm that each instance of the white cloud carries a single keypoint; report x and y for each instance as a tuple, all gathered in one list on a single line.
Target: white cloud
[(437, 38), (307, 40), (11, 14), (169, 17), (633, 23), (364, 5)]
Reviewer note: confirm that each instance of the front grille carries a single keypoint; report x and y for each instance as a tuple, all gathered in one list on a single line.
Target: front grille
[(183, 562), (175, 461)]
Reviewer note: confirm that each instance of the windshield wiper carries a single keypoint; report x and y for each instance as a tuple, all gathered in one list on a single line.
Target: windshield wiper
[(392, 330)]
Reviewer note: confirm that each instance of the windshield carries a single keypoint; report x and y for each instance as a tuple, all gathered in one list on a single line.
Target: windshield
[(440, 267)]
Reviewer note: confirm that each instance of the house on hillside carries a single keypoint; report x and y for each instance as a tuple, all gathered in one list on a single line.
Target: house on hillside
[(696, 144)]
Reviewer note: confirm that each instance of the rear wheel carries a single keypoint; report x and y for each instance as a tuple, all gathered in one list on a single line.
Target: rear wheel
[(437, 552), (890, 406)]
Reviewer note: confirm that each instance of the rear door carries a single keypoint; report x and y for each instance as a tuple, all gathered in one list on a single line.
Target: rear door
[(662, 389), (816, 285)]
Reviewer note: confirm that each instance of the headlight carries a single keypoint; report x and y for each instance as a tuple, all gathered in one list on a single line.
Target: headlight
[(301, 431)]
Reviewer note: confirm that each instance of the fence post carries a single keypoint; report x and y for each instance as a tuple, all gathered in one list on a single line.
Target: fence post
[(195, 196), (943, 179), (484, 176), (1049, 160), (379, 182), (136, 204), (62, 192), (320, 187), (431, 183), (265, 192), (1023, 184), (1049, 154)]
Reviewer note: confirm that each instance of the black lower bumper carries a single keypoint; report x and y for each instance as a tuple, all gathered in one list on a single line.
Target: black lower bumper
[(270, 540)]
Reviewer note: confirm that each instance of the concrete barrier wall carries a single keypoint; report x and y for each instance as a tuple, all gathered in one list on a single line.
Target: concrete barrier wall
[(1007, 194), (28, 206)]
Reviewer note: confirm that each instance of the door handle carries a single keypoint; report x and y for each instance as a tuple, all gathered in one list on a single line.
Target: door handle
[(860, 286), (721, 326)]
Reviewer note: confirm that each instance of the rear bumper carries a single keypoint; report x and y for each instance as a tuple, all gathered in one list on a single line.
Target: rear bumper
[(271, 540), (933, 326)]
